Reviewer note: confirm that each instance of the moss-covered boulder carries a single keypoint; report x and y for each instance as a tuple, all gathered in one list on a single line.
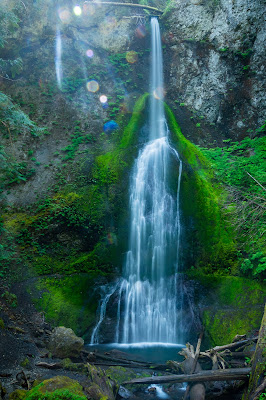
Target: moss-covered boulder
[(64, 343), (57, 388)]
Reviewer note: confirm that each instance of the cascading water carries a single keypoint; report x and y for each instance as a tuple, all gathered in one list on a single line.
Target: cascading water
[(58, 58), (149, 305)]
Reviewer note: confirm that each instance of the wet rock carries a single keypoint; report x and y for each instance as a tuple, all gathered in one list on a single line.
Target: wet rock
[(63, 343), (124, 393)]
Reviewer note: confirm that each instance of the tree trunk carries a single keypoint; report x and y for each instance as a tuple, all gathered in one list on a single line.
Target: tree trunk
[(126, 5), (258, 363)]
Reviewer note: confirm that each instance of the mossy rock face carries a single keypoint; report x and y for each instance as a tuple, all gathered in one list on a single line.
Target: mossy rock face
[(57, 388), (232, 305), (68, 300), (204, 221), (18, 394)]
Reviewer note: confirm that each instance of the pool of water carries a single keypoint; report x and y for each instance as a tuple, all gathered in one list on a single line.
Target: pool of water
[(157, 353)]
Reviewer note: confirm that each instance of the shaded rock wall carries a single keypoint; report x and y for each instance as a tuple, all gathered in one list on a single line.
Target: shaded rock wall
[(215, 65)]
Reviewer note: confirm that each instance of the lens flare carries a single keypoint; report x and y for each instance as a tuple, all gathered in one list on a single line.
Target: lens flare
[(132, 57), (90, 53), (103, 99), (93, 86), (77, 10), (158, 93), (140, 31), (88, 9), (110, 126), (64, 15)]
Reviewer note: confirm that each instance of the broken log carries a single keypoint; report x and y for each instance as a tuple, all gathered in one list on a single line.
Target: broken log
[(201, 389), (107, 3), (233, 345), (49, 365), (204, 376)]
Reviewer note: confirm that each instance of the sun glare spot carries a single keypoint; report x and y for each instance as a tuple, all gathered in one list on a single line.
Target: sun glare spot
[(77, 10), (64, 15), (158, 93), (93, 86), (103, 99), (132, 56), (89, 53), (140, 31)]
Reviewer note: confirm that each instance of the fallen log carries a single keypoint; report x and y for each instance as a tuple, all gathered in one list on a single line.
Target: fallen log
[(204, 376), (107, 3), (232, 345)]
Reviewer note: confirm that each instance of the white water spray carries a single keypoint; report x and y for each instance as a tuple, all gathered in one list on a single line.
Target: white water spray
[(58, 58), (149, 305)]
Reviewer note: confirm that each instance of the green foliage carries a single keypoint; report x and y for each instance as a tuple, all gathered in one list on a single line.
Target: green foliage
[(79, 136), (10, 298), (70, 85), (241, 167), (255, 266), (9, 23)]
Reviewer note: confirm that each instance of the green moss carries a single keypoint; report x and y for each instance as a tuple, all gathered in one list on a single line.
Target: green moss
[(18, 394), (236, 305), (25, 363), (68, 301), (78, 367), (57, 388), (223, 325), (201, 203), (2, 324)]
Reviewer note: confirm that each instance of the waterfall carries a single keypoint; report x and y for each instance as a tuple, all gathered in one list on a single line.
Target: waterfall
[(149, 298), (58, 58)]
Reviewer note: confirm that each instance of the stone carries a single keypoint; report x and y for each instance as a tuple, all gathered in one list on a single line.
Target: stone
[(63, 343)]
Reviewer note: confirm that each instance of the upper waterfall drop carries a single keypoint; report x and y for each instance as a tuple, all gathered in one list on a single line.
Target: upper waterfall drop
[(157, 118)]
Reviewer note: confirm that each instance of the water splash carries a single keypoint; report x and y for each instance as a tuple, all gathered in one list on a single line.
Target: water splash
[(58, 58)]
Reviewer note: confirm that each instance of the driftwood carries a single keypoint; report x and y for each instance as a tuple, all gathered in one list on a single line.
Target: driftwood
[(233, 345), (49, 365), (203, 376), (107, 3)]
